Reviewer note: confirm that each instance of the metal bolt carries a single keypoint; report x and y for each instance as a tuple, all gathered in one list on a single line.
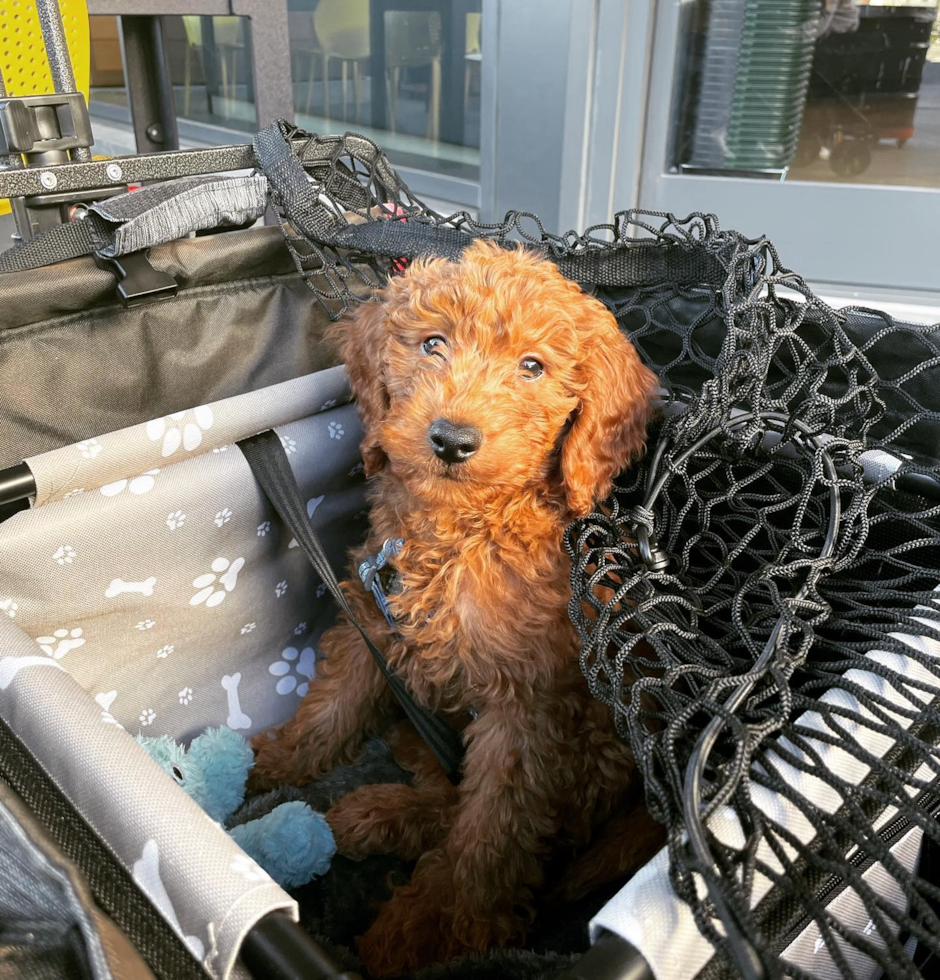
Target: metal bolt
[(48, 180), (114, 172), (155, 133)]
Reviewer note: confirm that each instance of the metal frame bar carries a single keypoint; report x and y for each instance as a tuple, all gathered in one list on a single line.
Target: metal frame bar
[(609, 958), (57, 51), (169, 164), (60, 63), (425, 183), (276, 948), (11, 161), (133, 169)]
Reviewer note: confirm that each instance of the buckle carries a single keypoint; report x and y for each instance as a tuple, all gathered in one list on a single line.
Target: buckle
[(372, 567), (44, 123), (367, 573), (138, 281)]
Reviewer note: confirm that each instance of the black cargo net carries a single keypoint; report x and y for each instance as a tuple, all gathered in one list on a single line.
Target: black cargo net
[(757, 605), (757, 598), (350, 222)]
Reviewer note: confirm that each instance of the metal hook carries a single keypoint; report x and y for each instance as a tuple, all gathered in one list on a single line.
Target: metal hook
[(651, 554)]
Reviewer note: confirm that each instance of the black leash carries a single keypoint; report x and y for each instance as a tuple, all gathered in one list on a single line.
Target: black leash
[(269, 463)]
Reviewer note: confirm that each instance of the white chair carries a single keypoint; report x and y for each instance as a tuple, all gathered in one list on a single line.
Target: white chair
[(342, 31), (412, 40), (229, 41)]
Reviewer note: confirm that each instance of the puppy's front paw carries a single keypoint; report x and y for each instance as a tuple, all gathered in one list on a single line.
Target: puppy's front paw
[(387, 819), (278, 760), (357, 829)]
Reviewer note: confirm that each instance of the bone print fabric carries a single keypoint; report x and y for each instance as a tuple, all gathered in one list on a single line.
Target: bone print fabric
[(129, 458), (172, 593), (199, 880), (152, 589)]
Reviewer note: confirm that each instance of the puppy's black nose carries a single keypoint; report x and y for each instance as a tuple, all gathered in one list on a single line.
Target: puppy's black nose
[(453, 443)]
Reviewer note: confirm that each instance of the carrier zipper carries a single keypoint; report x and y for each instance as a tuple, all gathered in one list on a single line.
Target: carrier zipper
[(860, 860)]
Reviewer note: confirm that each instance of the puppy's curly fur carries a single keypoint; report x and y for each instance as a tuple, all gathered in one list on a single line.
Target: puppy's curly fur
[(483, 613)]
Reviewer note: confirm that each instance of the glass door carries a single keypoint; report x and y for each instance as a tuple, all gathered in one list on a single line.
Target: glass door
[(817, 124), (407, 73)]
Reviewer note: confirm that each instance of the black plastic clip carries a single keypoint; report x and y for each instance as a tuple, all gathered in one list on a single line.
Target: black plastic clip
[(138, 281), (44, 123)]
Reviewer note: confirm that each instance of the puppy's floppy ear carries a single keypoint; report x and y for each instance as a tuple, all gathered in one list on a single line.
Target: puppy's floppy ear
[(362, 340), (608, 430)]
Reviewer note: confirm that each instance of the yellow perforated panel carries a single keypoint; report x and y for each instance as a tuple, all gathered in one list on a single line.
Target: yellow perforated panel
[(23, 55)]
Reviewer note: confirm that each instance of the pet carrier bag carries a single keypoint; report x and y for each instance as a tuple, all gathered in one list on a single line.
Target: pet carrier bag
[(771, 562), (756, 600)]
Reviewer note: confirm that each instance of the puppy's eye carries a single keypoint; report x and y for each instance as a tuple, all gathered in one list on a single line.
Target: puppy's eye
[(434, 345), (530, 368)]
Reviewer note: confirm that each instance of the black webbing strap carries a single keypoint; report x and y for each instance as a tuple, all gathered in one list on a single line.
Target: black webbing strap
[(153, 215), (301, 203), (269, 463), (71, 240)]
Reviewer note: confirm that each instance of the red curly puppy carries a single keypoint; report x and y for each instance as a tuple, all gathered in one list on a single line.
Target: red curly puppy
[(499, 401)]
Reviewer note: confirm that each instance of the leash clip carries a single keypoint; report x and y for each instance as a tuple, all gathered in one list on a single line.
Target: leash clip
[(370, 575)]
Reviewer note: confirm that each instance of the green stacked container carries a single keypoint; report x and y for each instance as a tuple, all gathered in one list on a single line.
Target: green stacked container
[(757, 61)]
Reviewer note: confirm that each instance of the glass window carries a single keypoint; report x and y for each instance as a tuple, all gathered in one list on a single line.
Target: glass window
[(408, 73), (107, 101), (845, 91), (209, 60), (210, 64), (405, 72)]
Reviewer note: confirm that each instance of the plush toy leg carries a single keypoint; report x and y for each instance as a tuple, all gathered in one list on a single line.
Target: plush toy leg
[(217, 770), (292, 843)]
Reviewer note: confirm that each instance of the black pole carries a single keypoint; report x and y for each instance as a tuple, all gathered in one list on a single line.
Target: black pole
[(149, 85), (16, 483), (610, 958), (278, 949)]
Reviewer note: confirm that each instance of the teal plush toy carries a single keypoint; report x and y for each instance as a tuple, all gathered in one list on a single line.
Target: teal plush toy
[(292, 843)]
